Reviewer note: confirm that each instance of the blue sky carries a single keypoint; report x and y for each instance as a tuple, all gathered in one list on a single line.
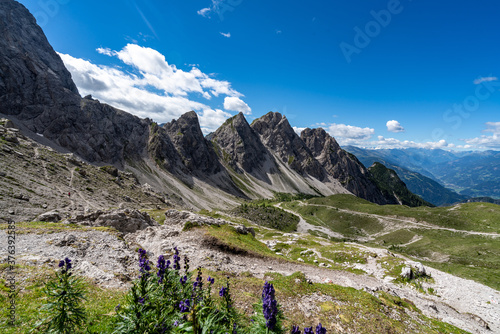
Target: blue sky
[(373, 73)]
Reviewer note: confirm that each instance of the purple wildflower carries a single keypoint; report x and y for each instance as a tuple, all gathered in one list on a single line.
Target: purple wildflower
[(211, 280), (269, 305), (295, 330), (140, 300), (177, 258), (65, 265), (234, 329), (176, 323), (222, 291), (143, 263), (161, 268), (183, 280), (61, 263), (308, 330), (184, 305), (320, 329)]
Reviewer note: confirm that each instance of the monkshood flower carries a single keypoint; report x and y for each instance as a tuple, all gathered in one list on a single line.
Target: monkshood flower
[(211, 280), (295, 330), (234, 329), (186, 264), (162, 268), (65, 264), (222, 291), (269, 305), (177, 258), (143, 263), (308, 330), (320, 329), (184, 305), (183, 280)]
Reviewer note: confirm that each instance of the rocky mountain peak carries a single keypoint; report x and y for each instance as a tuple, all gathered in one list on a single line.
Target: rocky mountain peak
[(277, 134), (239, 145), (32, 74), (196, 152), (341, 165)]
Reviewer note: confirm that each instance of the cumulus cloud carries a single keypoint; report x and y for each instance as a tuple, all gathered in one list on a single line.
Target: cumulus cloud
[(484, 79), (233, 103), (349, 132), (394, 126), (226, 34), (485, 141), (382, 142), (150, 86)]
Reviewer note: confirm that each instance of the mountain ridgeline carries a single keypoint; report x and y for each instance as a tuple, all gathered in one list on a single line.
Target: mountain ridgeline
[(238, 161)]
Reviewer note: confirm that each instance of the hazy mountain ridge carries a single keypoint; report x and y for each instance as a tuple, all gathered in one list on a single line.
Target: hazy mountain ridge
[(471, 174)]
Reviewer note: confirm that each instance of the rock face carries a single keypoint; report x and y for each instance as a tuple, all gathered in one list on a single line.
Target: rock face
[(195, 151), (37, 89), (277, 134), (31, 73), (238, 145), (126, 221), (341, 165)]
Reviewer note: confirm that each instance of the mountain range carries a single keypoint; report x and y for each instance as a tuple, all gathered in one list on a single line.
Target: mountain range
[(238, 161), (438, 176)]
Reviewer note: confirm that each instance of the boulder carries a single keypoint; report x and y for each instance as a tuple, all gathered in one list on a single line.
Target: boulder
[(406, 273), (242, 229), (51, 216), (125, 221)]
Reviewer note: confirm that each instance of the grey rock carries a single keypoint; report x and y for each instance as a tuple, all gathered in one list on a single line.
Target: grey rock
[(125, 221), (406, 273), (51, 216), (420, 269), (242, 229)]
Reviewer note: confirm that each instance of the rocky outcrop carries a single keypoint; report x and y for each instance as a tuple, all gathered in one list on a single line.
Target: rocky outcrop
[(126, 221), (341, 165), (277, 135), (37, 90), (33, 78), (238, 145)]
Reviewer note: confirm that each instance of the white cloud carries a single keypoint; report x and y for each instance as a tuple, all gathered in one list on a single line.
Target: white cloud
[(226, 35), (210, 119), (484, 79), (382, 142), (349, 132), (298, 130), (205, 12), (233, 103), (488, 142), (150, 86), (214, 8), (394, 126)]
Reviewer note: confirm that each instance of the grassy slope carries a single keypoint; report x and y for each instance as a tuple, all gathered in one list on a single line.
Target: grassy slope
[(470, 256)]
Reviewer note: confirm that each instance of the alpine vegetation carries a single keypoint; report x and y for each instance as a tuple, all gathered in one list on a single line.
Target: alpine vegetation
[(167, 299)]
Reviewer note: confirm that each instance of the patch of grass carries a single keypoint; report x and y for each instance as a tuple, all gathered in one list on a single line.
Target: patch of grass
[(226, 238), (47, 227), (350, 225), (269, 216), (99, 306)]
